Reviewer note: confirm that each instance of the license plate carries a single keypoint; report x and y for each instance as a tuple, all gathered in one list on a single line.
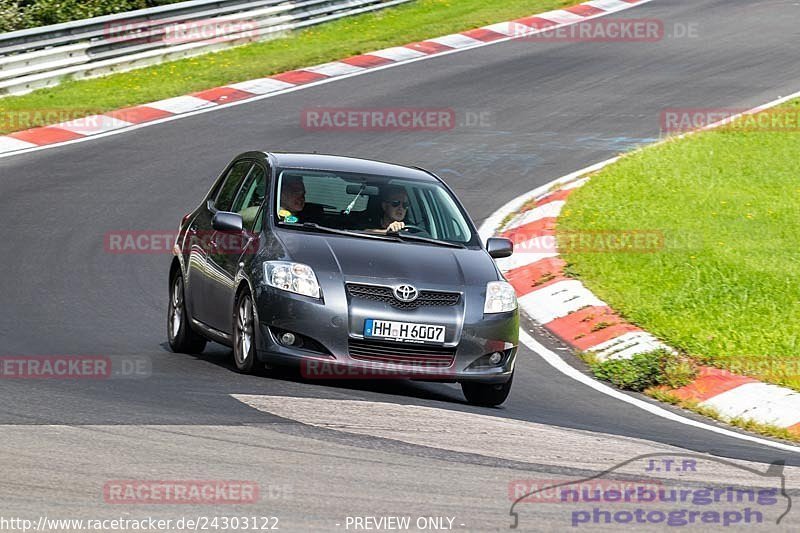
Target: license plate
[(403, 331)]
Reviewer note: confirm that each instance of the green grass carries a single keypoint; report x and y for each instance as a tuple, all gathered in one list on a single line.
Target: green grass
[(643, 371), (725, 289), (415, 21)]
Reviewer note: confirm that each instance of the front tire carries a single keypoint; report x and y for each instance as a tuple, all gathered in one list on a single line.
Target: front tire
[(487, 394), (182, 338), (245, 328)]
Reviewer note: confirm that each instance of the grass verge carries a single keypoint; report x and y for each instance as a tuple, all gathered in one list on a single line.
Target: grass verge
[(725, 287), (419, 20), (643, 371)]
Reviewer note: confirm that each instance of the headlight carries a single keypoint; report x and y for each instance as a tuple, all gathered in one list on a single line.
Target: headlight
[(292, 277), (500, 297)]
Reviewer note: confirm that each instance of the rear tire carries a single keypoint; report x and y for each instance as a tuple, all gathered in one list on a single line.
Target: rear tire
[(245, 329), (182, 338), (487, 394)]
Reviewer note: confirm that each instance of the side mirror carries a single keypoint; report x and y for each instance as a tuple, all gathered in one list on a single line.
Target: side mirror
[(225, 221), (499, 247)]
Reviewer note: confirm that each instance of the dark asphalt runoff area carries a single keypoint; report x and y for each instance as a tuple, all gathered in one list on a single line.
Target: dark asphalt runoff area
[(542, 110)]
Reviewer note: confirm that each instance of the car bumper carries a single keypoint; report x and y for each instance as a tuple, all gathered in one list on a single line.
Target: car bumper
[(328, 341)]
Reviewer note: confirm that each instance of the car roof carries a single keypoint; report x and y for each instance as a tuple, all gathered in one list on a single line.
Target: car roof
[(339, 163)]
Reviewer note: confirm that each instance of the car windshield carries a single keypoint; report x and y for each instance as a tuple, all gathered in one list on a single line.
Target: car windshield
[(370, 204)]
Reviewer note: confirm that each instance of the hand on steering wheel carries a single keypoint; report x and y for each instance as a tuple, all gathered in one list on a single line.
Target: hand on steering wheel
[(397, 226), (411, 228)]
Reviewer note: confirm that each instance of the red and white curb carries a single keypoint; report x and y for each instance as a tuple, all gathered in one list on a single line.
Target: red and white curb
[(584, 322), (237, 93)]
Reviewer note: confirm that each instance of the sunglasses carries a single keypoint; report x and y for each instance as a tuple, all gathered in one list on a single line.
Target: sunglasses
[(398, 203)]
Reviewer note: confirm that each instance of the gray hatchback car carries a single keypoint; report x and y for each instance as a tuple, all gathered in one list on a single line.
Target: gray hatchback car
[(347, 267)]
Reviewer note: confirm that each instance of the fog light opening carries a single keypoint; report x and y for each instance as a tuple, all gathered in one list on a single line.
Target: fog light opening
[(288, 339), (495, 358)]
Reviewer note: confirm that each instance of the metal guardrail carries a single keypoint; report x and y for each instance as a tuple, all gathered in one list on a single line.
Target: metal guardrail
[(43, 57)]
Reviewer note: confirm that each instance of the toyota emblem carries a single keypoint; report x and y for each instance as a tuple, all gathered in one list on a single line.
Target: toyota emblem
[(406, 293)]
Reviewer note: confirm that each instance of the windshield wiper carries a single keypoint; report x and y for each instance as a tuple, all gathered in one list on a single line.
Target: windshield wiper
[(408, 237), (326, 229)]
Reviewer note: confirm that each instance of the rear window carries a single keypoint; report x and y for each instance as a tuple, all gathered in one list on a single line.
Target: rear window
[(331, 193)]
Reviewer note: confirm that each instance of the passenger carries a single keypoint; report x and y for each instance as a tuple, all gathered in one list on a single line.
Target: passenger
[(293, 194), (293, 207)]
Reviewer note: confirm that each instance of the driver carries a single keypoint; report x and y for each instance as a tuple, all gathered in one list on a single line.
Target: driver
[(394, 202)]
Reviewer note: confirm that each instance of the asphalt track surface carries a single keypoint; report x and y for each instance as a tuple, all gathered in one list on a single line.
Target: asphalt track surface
[(547, 109)]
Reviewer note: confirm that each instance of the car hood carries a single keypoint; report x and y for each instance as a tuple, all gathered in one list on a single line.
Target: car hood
[(364, 259)]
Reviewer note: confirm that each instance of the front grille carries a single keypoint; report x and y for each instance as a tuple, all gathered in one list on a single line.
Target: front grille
[(381, 293), (403, 354)]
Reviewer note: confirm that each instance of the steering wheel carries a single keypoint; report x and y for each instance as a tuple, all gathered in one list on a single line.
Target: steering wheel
[(411, 228)]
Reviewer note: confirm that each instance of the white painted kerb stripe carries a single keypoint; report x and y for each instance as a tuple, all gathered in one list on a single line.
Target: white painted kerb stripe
[(509, 28), (608, 5), (763, 402), (261, 85), (93, 124), (181, 104), (456, 40), (8, 144), (521, 259), (548, 210), (335, 68), (627, 345), (561, 16), (398, 53), (558, 300)]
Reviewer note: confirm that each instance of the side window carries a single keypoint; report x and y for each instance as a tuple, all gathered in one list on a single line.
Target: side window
[(252, 192), (258, 223), (251, 196), (231, 185)]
